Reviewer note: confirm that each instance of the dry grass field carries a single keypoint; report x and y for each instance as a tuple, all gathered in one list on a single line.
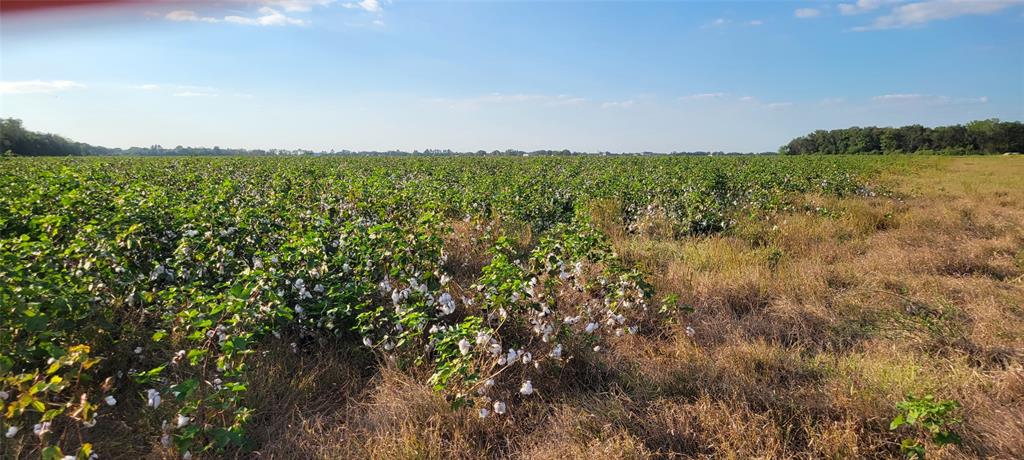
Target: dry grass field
[(805, 332)]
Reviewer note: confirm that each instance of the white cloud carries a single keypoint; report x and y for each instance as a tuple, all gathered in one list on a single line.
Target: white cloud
[(188, 90), (899, 97), (779, 105), (190, 16), (862, 6), (37, 86), (302, 6), (703, 96), (372, 6), (755, 22), (916, 14), (805, 13), (618, 104), (747, 99), (500, 98), (268, 17), (907, 98)]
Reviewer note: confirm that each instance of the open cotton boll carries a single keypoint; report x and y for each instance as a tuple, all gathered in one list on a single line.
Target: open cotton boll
[(499, 408), (556, 352), (110, 400), (465, 346), (526, 389), (152, 398)]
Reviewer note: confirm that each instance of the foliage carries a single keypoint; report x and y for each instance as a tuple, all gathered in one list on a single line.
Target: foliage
[(981, 136), (929, 416)]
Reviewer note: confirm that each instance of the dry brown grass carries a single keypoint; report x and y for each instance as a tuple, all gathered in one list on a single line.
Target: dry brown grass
[(808, 331)]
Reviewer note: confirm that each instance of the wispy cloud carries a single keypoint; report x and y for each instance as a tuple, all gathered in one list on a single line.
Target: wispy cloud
[(193, 94), (37, 86), (702, 96), (718, 22), (372, 6), (899, 97), (188, 16), (862, 6), (301, 6), (267, 17), (920, 13), (723, 22), (806, 13), (929, 99), (618, 104), (188, 90), (502, 98)]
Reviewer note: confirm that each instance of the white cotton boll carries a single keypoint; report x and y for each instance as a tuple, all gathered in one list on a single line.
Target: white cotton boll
[(633, 329), (556, 352), (526, 357), (483, 338), (488, 383), (494, 349), (499, 407), (110, 401), (11, 431), (526, 389), (484, 412), (68, 457), (186, 456), (165, 440), (465, 346), (182, 421), (138, 350), (512, 356), (299, 310), (319, 288), (591, 327), (597, 348), (690, 331), (4, 395), (389, 345), (41, 428), (153, 398)]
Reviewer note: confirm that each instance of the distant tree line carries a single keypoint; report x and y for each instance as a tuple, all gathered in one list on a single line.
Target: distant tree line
[(977, 137), (16, 140)]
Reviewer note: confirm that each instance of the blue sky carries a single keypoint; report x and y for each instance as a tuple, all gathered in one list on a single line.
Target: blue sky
[(593, 76)]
